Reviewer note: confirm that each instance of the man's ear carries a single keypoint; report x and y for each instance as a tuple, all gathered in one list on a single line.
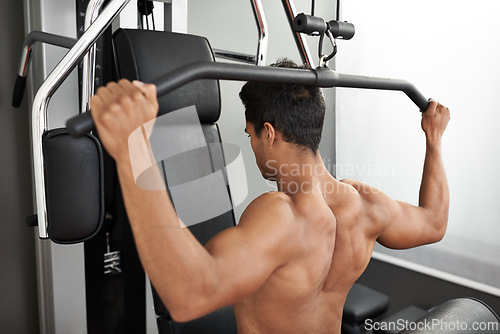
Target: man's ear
[(270, 133)]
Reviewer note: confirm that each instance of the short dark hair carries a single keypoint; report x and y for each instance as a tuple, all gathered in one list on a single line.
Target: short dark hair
[(296, 111)]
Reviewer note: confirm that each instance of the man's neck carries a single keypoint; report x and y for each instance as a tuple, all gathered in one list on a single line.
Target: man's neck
[(301, 173)]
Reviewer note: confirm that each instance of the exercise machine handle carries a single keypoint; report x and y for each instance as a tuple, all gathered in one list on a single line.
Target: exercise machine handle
[(29, 42), (17, 95), (321, 77), (79, 125), (343, 30), (308, 24), (48, 38), (313, 25)]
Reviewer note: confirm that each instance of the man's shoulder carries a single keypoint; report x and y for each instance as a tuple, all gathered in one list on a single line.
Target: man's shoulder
[(272, 197), (362, 190), (272, 202), (353, 183), (368, 204), (273, 206)]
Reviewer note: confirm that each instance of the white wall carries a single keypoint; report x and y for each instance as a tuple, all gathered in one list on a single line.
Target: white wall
[(230, 25), (449, 49)]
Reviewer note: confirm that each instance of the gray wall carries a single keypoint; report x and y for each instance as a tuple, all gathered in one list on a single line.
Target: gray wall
[(18, 296)]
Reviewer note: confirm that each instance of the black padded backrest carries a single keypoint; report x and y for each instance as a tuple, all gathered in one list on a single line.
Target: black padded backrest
[(221, 321), (145, 55)]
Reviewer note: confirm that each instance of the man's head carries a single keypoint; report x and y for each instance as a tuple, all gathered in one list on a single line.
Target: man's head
[(295, 111), (292, 114)]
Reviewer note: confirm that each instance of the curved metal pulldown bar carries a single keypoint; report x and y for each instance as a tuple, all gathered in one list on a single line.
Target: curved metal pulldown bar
[(321, 77)]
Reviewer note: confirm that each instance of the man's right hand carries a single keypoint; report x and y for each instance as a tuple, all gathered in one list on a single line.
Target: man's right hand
[(434, 122), (118, 109)]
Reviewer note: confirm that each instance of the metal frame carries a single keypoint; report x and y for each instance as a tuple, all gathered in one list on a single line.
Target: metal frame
[(235, 56), (299, 38), (32, 38), (38, 36), (49, 86), (88, 80), (175, 15), (260, 58), (260, 19)]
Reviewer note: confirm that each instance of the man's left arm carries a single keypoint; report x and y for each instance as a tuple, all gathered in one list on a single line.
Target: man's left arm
[(191, 280)]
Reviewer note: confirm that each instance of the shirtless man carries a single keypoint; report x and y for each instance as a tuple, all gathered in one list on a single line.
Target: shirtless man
[(288, 265)]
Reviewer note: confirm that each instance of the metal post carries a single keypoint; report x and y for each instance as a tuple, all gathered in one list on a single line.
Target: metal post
[(300, 39), (261, 21), (88, 71)]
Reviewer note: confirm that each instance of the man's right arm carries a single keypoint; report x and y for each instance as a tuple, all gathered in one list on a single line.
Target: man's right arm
[(192, 280), (401, 225)]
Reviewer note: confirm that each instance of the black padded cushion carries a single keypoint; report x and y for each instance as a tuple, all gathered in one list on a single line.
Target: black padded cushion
[(73, 186), (145, 55), (364, 303), (204, 231)]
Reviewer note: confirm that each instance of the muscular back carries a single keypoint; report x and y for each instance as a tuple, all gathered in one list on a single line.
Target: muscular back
[(331, 251)]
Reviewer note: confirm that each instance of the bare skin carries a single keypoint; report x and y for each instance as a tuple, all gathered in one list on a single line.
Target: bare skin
[(288, 265)]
